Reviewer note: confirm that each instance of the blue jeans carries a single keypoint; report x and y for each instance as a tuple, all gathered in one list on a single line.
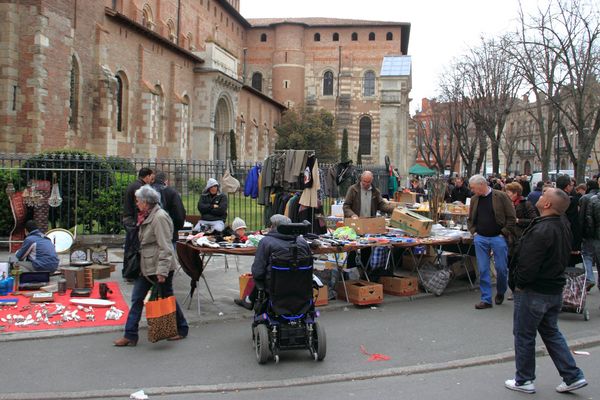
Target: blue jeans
[(536, 312), (141, 286), (590, 252), (483, 245)]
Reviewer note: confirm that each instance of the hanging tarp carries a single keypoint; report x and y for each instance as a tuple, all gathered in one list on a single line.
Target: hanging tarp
[(418, 169)]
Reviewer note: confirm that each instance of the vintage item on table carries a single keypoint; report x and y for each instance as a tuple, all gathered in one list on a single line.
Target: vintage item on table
[(42, 297), (33, 280), (337, 210), (93, 302), (81, 292), (62, 239), (78, 277), (99, 255), (160, 314), (400, 285), (101, 271), (363, 226), (412, 223), (360, 292)]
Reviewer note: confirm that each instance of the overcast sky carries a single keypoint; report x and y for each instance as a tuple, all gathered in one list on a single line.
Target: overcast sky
[(440, 29)]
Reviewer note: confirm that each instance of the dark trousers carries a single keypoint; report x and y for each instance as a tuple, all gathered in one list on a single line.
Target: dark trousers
[(131, 239), (141, 286), (533, 313)]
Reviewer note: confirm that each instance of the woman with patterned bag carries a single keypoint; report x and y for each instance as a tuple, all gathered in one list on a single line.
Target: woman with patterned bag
[(157, 263)]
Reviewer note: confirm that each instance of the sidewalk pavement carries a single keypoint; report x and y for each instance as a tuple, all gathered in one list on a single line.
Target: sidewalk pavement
[(222, 276)]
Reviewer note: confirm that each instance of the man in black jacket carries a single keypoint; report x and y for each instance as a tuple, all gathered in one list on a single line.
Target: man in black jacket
[(145, 177), (460, 192), (537, 280), (170, 201), (589, 220)]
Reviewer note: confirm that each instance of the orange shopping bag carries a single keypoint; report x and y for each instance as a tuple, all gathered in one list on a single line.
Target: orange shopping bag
[(160, 313)]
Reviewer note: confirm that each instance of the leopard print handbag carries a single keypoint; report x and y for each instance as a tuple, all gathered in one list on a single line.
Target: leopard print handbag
[(161, 317)]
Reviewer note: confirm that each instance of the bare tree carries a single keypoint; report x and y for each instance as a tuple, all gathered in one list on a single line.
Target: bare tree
[(437, 144), (452, 87), (557, 53), (492, 84), (509, 146)]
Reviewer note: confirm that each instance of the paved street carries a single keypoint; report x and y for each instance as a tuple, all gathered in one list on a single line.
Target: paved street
[(435, 334)]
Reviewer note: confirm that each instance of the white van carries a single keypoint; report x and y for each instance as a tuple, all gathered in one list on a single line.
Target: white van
[(537, 176)]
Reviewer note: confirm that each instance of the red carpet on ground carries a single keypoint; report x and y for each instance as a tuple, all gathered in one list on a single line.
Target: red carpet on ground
[(39, 312)]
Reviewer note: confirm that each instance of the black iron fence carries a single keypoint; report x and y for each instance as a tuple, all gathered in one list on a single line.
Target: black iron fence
[(92, 187)]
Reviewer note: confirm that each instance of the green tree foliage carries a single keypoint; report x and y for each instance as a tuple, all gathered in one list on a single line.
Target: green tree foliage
[(308, 130), (232, 146), (6, 216), (344, 155)]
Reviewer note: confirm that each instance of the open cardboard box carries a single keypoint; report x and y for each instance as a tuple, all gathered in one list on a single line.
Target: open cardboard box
[(412, 223), (363, 226)]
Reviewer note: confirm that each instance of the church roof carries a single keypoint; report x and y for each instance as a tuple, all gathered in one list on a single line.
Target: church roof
[(320, 21)]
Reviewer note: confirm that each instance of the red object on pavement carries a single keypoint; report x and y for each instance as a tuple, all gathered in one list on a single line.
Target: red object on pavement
[(374, 356)]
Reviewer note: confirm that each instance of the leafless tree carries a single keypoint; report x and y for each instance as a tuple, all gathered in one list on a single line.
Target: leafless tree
[(460, 125), (557, 52), (437, 145), (492, 86)]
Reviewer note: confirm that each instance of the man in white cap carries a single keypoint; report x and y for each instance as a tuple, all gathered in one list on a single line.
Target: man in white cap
[(212, 207)]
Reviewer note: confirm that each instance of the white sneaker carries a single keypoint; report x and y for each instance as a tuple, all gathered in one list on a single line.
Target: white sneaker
[(578, 384), (526, 387)]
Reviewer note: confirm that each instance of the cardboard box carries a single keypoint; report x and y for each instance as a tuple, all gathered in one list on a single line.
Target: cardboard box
[(400, 285), (246, 285), (405, 197), (363, 226), (360, 292), (322, 296), (412, 223)]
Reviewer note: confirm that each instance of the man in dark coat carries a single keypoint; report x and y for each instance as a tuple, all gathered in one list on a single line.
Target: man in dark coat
[(145, 177), (565, 183), (460, 192), (364, 200), (537, 280), (170, 201)]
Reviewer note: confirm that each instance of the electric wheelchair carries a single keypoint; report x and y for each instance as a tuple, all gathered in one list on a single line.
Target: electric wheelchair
[(285, 318)]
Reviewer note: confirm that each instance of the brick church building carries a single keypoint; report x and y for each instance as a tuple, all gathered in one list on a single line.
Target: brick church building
[(171, 78)]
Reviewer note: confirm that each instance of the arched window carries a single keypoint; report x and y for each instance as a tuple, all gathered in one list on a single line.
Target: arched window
[(354, 36), (172, 33), (372, 36), (120, 96), (336, 37), (369, 84), (389, 36), (74, 94), (364, 136), (263, 37), (257, 80), (328, 84), (317, 37), (147, 17)]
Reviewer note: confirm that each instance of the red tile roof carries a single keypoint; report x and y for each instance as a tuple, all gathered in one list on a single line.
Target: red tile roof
[(319, 21)]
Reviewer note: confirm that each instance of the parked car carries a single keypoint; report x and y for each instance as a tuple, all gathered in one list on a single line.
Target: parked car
[(537, 176)]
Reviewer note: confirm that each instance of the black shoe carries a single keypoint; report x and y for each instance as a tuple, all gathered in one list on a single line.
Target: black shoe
[(482, 305), (499, 299), (242, 303)]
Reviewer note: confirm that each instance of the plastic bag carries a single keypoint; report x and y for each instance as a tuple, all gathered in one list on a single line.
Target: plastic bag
[(345, 233)]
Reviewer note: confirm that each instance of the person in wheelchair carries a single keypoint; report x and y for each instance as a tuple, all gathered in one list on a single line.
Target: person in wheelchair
[(272, 243), (285, 315)]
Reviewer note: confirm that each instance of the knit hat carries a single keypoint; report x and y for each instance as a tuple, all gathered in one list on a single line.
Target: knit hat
[(211, 182), (238, 223)]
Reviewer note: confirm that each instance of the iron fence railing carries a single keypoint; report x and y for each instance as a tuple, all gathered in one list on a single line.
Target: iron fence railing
[(92, 187)]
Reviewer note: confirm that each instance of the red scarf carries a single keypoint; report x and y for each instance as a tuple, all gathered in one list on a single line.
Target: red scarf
[(517, 201), (142, 215)]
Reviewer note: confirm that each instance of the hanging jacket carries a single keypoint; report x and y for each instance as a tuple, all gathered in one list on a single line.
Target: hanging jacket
[(251, 185)]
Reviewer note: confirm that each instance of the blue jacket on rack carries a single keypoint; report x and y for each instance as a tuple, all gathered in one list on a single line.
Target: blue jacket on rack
[(251, 185)]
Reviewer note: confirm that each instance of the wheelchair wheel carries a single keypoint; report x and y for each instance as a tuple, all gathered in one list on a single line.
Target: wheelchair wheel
[(320, 342), (261, 343)]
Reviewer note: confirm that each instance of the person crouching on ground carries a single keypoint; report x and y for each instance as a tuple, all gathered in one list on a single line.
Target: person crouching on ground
[(37, 252), (158, 262), (537, 281), (239, 230), (212, 207)]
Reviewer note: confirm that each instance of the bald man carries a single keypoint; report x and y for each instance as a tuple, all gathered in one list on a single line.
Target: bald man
[(537, 279), (364, 200)]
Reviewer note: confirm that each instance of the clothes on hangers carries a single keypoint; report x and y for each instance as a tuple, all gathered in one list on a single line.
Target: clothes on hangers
[(309, 196), (251, 184), (295, 160)]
